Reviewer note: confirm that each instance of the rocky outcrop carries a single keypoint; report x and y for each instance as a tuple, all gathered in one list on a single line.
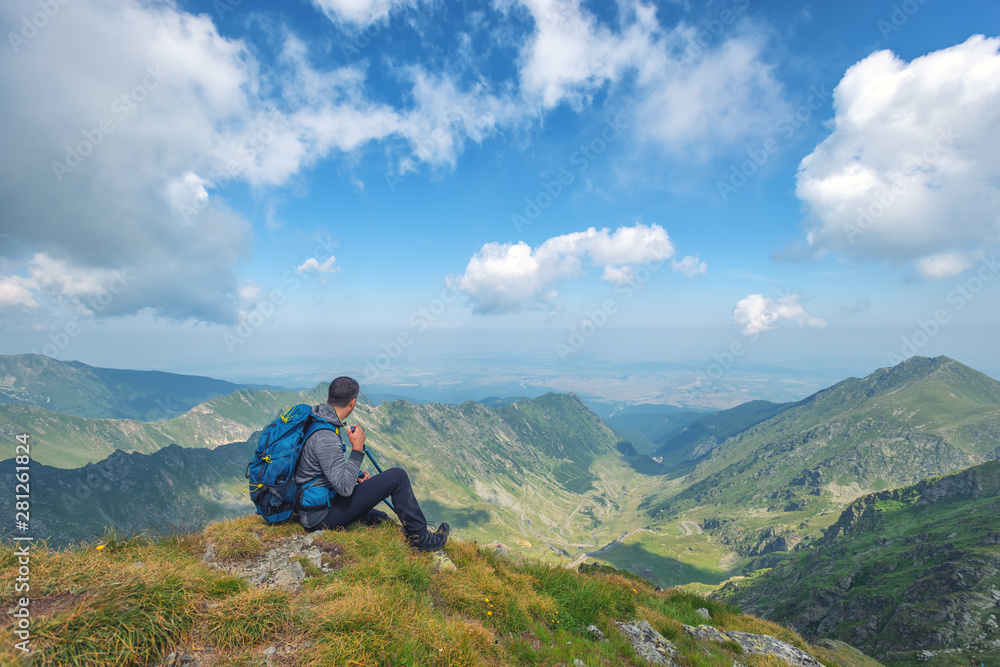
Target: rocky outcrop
[(755, 645), (649, 644)]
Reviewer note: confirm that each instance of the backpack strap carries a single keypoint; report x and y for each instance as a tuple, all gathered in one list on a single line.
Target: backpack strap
[(314, 425)]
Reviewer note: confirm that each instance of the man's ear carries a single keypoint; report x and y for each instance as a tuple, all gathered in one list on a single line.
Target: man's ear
[(354, 403)]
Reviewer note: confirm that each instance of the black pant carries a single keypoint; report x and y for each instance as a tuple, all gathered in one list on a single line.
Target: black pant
[(393, 482)]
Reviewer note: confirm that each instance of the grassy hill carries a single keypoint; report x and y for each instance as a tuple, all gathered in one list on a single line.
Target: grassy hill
[(908, 575), (920, 418), (366, 599), (77, 389)]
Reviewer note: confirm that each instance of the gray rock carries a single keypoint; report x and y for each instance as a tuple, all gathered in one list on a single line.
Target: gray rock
[(595, 632), (756, 645), (209, 554), (579, 663), (703, 612), (290, 576), (649, 644)]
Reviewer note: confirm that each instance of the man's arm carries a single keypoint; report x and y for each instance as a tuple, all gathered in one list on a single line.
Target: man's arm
[(341, 474)]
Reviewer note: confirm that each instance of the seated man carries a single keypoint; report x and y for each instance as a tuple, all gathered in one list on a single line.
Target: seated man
[(322, 460)]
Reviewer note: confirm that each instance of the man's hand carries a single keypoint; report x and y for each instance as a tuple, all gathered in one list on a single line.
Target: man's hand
[(364, 476), (357, 438)]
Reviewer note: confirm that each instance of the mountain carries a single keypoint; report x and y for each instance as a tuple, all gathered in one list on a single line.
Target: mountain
[(921, 418), (695, 440), (74, 388), (172, 487), (907, 575), (648, 426), (66, 441), (531, 472)]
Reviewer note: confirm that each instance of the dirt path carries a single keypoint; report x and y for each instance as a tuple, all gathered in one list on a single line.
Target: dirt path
[(686, 528)]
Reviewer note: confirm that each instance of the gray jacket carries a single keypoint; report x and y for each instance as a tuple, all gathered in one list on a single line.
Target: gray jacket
[(323, 456)]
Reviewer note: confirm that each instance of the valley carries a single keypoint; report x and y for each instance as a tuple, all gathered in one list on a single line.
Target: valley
[(741, 492)]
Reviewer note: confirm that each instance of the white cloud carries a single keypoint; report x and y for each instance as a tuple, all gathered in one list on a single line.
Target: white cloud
[(685, 96), (312, 265), (359, 12), (690, 266), (503, 278), (189, 112), (619, 275), (17, 292), (909, 174), (755, 313), (943, 265)]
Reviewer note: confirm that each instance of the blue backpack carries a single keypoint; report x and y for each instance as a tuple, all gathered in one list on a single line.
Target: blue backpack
[(271, 472)]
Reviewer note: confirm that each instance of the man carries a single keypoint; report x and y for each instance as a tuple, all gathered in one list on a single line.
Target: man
[(323, 464)]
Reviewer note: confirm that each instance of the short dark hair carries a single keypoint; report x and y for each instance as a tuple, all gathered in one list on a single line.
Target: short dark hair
[(343, 390)]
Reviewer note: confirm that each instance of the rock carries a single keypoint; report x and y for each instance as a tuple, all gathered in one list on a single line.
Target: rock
[(442, 563), (648, 643), (704, 613), (290, 576), (209, 554), (579, 663), (595, 632), (270, 650), (499, 548), (756, 645)]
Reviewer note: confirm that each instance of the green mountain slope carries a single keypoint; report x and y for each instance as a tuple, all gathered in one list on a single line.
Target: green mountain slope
[(542, 473), (698, 438), (923, 417), (77, 389), (907, 575), (66, 441)]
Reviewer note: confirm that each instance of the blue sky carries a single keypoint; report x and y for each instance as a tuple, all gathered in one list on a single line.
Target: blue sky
[(263, 190)]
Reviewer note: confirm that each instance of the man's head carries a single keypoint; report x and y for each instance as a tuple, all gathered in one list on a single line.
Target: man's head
[(343, 395)]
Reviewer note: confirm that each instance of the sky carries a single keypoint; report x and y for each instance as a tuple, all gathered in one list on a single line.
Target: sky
[(401, 190)]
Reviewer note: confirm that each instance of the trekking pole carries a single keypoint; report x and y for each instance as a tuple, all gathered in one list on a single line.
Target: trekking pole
[(379, 468)]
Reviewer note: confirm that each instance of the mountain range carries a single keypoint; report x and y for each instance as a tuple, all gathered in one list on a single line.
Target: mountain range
[(739, 491)]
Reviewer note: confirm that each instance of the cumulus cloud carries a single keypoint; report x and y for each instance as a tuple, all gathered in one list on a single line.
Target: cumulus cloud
[(504, 278), (756, 313), (148, 115), (685, 92), (943, 265), (690, 266), (909, 174), (312, 265)]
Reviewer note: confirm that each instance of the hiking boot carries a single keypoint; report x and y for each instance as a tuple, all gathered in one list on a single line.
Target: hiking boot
[(443, 528), (429, 541)]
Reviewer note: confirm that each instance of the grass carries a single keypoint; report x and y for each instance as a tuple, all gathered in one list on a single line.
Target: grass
[(138, 598)]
